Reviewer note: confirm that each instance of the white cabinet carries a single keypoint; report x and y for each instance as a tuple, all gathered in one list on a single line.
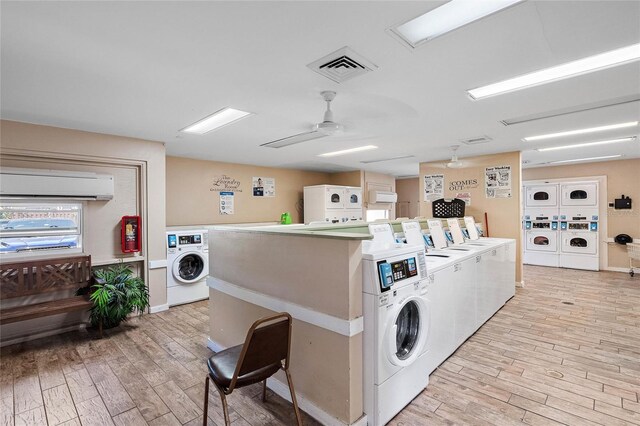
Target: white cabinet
[(332, 204), (442, 341), (464, 289)]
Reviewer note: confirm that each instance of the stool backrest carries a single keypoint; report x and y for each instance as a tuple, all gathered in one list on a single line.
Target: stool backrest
[(265, 345)]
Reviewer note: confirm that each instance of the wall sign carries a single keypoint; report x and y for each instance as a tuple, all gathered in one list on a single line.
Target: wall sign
[(225, 183), (433, 187), (497, 182), (264, 187), (226, 203)]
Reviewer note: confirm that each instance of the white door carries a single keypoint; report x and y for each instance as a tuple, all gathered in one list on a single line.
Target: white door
[(579, 242), (541, 240), (541, 196), (579, 194), (334, 197)]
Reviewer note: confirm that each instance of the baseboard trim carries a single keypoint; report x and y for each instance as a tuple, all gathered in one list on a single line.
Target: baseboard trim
[(618, 269), (282, 390), (341, 326), (39, 335), (520, 284), (158, 308)]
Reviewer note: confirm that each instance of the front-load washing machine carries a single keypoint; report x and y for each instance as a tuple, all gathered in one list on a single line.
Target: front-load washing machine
[(187, 266), (396, 315)]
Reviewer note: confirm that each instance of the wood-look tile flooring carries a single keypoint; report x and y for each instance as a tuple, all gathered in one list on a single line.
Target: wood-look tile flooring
[(564, 350)]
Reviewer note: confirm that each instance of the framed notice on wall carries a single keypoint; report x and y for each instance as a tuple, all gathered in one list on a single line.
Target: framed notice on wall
[(433, 187), (497, 182), (264, 187), (226, 202)]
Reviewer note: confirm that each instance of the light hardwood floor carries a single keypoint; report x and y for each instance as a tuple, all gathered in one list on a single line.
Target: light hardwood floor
[(564, 350)]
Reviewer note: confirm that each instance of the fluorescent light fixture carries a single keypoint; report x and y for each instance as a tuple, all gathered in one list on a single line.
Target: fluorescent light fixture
[(292, 140), (575, 160), (216, 120), (348, 151), (581, 145), (586, 65), (582, 131), (448, 17)]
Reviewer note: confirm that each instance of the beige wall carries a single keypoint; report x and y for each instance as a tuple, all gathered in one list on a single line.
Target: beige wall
[(326, 367), (504, 214), (191, 201), (322, 274), (623, 177), (354, 178), (139, 170), (408, 191)]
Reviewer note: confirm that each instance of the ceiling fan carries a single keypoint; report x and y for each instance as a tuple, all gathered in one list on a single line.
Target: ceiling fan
[(455, 163), (327, 127)]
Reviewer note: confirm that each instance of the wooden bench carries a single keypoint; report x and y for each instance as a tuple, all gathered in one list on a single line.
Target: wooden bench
[(29, 278)]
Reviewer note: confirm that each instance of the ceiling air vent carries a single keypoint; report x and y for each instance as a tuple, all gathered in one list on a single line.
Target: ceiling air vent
[(342, 65), (476, 141)]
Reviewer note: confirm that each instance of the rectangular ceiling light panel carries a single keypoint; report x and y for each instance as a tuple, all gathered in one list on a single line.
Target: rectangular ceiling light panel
[(575, 160), (348, 151), (292, 140), (582, 131), (586, 144), (216, 120), (586, 65), (448, 17)]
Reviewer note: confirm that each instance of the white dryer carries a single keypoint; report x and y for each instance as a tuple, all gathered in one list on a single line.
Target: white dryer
[(541, 247), (397, 321), (541, 195), (187, 266), (575, 194)]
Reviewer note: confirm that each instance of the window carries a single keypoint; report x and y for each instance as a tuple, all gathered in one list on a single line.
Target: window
[(373, 215), (42, 227)]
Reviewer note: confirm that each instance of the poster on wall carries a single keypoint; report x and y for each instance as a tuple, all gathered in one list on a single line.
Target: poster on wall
[(226, 202), (264, 187), (466, 196), (433, 187), (497, 182)]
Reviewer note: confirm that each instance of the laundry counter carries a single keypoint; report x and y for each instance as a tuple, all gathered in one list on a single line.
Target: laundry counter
[(315, 274)]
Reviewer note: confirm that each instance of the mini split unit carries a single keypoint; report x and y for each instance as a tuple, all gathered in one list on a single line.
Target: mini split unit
[(16, 182)]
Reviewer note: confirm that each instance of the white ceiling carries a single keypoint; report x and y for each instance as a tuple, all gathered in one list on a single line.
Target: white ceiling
[(148, 69)]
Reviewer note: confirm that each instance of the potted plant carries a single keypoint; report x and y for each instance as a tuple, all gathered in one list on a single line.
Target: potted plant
[(115, 294)]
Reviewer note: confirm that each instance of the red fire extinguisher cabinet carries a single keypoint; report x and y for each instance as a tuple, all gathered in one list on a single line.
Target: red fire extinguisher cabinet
[(131, 237)]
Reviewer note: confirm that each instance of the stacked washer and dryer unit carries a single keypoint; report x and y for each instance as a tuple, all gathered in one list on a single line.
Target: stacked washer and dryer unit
[(187, 266), (561, 225)]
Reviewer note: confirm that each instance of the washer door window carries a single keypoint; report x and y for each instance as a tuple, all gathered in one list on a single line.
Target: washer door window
[(188, 268), (407, 333)]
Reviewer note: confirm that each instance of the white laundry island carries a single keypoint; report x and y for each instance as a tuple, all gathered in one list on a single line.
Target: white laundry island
[(316, 274)]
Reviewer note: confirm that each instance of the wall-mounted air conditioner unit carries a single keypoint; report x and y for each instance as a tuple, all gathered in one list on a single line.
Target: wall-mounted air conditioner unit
[(376, 196), (16, 182)]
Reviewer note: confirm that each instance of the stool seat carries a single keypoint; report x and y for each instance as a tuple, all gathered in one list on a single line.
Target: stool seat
[(266, 349), (223, 364)]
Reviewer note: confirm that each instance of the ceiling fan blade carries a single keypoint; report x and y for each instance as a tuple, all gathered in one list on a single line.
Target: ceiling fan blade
[(292, 140)]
